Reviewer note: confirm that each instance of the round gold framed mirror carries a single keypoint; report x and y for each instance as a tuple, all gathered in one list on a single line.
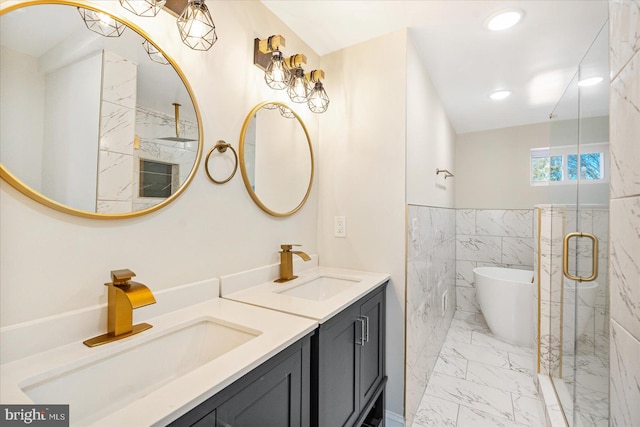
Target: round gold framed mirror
[(276, 158), (96, 120)]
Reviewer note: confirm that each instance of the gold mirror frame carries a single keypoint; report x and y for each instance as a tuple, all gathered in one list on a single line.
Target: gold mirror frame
[(243, 167), (40, 198)]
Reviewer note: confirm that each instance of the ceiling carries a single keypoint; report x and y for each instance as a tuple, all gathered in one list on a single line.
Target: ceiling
[(536, 59)]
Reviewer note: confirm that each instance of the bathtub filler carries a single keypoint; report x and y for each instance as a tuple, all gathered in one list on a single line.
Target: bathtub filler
[(506, 300)]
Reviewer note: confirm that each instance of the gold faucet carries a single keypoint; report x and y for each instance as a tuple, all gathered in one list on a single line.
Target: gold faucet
[(124, 296), (286, 262)]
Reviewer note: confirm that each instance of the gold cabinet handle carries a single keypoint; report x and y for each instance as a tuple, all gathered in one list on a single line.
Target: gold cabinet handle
[(594, 257)]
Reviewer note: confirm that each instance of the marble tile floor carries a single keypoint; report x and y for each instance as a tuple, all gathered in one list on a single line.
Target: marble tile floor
[(479, 381)]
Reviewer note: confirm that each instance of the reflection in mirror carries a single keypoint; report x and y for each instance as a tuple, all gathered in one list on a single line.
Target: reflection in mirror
[(276, 159), (91, 125)]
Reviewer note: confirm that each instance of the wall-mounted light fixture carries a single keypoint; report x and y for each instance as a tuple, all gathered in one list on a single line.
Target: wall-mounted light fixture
[(318, 100), (286, 112), (154, 54), (276, 70), (287, 73), (101, 23), (143, 7), (298, 88), (196, 26)]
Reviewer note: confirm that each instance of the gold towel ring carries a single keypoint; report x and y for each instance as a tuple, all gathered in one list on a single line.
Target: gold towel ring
[(221, 146)]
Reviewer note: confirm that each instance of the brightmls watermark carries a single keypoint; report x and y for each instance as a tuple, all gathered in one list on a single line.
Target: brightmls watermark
[(34, 415)]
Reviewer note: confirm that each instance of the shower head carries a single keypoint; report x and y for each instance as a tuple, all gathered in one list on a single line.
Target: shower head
[(177, 138)]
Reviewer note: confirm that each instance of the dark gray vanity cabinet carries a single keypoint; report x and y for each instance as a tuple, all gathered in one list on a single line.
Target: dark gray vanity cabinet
[(275, 394), (348, 370)]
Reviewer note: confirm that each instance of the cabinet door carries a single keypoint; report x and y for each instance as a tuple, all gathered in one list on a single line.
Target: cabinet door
[(338, 387), (275, 394), (273, 400), (372, 312)]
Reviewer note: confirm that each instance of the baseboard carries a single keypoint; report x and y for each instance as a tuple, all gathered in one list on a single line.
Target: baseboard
[(393, 420)]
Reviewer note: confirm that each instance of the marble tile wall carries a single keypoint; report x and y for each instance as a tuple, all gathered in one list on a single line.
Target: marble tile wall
[(490, 237), (431, 249), (549, 226), (150, 127), (117, 131), (592, 321), (624, 265)]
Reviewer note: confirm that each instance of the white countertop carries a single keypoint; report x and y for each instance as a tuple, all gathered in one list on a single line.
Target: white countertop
[(269, 294), (178, 396), (39, 351)]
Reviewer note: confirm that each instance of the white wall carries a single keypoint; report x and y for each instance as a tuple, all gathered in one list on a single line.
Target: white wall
[(53, 262), (500, 180), (21, 87), (430, 139), (72, 132), (492, 168), (362, 176)]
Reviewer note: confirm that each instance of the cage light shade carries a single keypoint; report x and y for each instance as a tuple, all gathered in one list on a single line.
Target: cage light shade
[(277, 74), (196, 26), (318, 100), (298, 89), (286, 112), (154, 54), (101, 23), (143, 7)]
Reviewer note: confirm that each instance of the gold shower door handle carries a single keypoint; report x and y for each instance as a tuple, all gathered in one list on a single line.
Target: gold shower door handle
[(594, 257)]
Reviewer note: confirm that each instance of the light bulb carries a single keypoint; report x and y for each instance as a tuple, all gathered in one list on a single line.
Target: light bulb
[(198, 28), (101, 23), (298, 86), (277, 74), (104, 21), (318, 99)]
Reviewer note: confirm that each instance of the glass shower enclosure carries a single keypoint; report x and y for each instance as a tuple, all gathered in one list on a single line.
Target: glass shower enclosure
[(578, 175)]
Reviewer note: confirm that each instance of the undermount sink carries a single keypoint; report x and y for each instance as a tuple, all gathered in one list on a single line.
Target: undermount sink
[(97, 387), (320, 288)]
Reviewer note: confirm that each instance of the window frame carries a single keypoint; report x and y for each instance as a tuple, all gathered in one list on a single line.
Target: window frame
[(565, 151)]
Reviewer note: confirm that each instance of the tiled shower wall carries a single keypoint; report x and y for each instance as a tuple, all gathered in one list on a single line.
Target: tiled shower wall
[(117, 130), (490, 238), (151, 127), (624, 57), (431, 249)]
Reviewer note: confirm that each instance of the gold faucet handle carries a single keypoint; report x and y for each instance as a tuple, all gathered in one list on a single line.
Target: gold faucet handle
[(122, 277), (287, 248)]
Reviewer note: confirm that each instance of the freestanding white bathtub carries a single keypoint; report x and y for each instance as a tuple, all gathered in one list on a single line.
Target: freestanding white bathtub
[(506, 298)]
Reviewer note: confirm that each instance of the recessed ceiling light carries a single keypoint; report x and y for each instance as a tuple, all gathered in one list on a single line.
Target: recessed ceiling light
[(590, 81), (500, 94), (504, 19)]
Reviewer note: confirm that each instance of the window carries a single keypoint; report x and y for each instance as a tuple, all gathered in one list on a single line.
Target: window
[(157, 179), (561, 165)]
